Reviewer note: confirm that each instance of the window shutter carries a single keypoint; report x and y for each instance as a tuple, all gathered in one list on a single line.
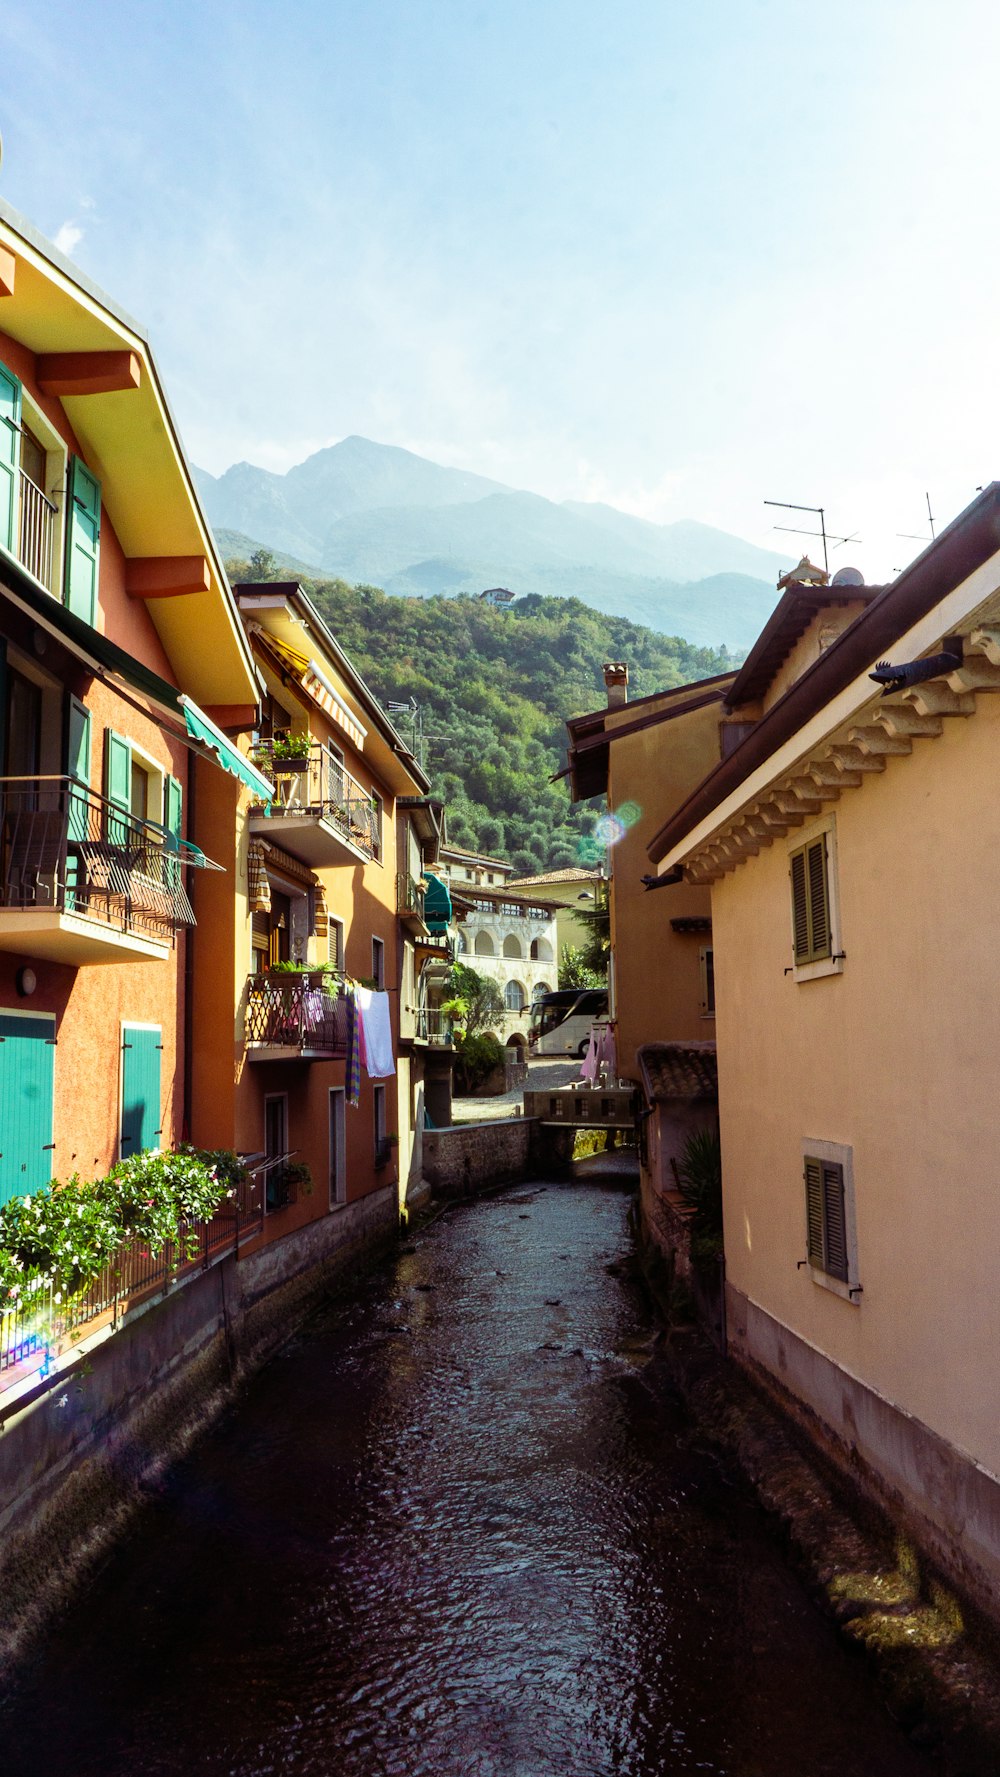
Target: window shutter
[(834, 1219), (118, 784), (814, 1211), (10, 458), (800, 907), (78, 766), (819, 898), (82, 540), (173, 802)]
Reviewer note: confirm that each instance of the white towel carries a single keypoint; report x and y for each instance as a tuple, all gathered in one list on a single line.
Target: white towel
[(374, 1011)]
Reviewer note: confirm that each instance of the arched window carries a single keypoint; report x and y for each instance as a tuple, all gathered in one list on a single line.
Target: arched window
[(512, 946), (541, 951), (539, 988), (484, 945), (513, 996)]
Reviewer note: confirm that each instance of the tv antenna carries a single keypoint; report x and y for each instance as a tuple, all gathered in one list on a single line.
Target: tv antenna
[(827, 536), (912, 536)]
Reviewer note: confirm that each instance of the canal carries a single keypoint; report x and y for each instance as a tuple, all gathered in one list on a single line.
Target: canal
[(459, 1528)]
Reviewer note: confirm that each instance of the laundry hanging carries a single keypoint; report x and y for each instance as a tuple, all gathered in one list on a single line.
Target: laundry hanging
[(377, 1027), (352, 1068), (258, 885)]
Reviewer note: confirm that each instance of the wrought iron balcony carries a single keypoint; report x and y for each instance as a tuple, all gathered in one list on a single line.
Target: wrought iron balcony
[(432, 1026), (36, 531), (410, 903), (295, 1018), (320, 812), (81, 880)]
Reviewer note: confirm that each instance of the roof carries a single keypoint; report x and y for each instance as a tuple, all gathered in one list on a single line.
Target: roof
[(967, 544), (678, 1070), (477, 857), (590, 737), (788, 621), (573, 873)]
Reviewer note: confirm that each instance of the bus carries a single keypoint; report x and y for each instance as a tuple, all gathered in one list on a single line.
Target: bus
[(560, 1022)]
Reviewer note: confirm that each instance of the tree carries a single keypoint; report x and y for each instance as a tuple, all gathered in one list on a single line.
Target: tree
[(481, 996), (574, 972)]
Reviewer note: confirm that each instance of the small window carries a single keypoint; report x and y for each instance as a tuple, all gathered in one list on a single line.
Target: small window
[(706, 963), (831, 1243), (378, 963), (378, 1113), (810, 879), (513, 996), (338, 1147)]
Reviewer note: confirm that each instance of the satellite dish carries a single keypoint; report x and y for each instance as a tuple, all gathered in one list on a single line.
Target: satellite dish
[(847, 577)]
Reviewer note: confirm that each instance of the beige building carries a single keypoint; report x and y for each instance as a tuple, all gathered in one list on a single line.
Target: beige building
[(508, 937), (573, 892), (850, 843)]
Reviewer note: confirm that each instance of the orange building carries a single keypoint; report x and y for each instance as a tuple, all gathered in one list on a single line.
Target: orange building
[(122, 658)]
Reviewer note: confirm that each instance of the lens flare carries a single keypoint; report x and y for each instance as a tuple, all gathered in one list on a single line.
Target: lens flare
[(608, 829)]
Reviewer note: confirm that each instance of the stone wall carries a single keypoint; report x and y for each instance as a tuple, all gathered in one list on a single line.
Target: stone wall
[(470, 1156), (79, 1454)]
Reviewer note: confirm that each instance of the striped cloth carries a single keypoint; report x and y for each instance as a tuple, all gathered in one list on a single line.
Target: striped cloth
[(258, 886), (352, 1070)]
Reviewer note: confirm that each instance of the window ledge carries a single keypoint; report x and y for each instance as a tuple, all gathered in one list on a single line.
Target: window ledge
[(829, 965), (836, 1285)]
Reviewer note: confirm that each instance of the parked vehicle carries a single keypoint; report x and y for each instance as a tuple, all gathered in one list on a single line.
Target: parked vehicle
[(561, 1021)]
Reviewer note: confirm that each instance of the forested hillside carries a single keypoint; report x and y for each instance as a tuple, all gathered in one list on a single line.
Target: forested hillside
[(495, 688)]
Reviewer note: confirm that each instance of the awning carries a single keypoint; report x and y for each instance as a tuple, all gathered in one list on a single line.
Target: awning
[(437, 904), (202, 728), (314, 682)]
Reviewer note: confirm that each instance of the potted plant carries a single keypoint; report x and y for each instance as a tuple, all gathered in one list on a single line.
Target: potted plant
[(290, 753)]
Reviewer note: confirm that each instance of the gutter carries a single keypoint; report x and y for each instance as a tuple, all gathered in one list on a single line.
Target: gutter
[(968, 542)]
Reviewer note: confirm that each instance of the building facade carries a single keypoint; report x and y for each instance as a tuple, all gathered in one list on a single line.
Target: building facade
[(511, 939)]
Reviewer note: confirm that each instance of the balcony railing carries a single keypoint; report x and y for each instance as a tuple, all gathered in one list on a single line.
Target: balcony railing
[(318, 784), (432, 1026), (297, 1014), (36, 531), (33, 1333), (410, 898), (67, 850)]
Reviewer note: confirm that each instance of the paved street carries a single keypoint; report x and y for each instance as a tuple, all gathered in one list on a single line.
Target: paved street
[(542, 1075)]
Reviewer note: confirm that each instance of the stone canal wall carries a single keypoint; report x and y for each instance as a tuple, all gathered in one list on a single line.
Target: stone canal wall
[(80, 1452), (473, 1156)]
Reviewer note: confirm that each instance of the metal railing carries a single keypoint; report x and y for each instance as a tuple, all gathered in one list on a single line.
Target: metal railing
[(322, 785), (34, 1332), (298, 1012), (68, 849), (432, 1026), (36, 531), (410, 896)]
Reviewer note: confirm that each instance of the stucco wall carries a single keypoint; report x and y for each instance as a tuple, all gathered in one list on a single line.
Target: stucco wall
[(894, 1058)]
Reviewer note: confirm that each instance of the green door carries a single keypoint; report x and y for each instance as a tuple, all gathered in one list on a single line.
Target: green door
[(142, 1045), (27, 1071)]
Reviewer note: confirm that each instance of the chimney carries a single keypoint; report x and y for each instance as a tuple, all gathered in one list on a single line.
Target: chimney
[(616, 683)]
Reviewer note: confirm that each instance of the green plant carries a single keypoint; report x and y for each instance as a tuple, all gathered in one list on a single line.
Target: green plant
[(286, 747), (477, 1055), (699, 1182), (575, 971)]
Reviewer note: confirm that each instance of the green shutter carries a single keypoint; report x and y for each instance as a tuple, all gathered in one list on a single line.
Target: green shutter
[(27, 1068), (78, 767), (814, 1212), (172, 805), (834, 1220), (141, 1049), (10, 458), (83, 536), (3, 705), (118, 785)]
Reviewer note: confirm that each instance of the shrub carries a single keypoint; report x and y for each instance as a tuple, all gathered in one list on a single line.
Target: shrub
[(699, 1181), (476, 1057)]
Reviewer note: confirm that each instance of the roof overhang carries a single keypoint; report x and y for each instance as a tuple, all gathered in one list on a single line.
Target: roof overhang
[(591, 735), (130, 439)]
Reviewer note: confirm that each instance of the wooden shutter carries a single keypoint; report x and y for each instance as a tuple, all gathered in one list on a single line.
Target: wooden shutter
[(814, 1211), (819, 898), (82, 540), (78, 769), (834, 1220), (10, 458), (141, 1048), (173, 801), (800, 907), (27, 1069), (118, 785)]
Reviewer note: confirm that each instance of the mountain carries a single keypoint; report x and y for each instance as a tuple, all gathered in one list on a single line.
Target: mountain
[(374, 513)]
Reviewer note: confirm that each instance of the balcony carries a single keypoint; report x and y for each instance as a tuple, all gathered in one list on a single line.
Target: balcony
[(320, 812), (410, 904), (295, 1018), (81, 880), (432, 1027), (36, 531)]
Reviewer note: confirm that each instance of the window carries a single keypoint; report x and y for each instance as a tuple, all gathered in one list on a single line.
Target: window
[(378, 1112), (338, 1148), (32, 478), (335, 942), (831, 1239), (513, 996), (816, 946), (484, 945), (541, 951), (512, 946), (137, 786), (378, 963), (706, 964), (277, 1194)]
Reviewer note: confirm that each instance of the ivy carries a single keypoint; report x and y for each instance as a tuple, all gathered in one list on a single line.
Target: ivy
[(63, 1236)]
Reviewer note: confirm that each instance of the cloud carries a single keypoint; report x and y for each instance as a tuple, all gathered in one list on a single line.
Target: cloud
[(68, 237)]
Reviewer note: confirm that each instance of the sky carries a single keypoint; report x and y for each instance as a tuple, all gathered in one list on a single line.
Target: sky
[(682, 257)]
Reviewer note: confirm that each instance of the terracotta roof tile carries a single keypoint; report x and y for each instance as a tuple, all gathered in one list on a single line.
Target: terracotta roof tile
[(678, 1070)]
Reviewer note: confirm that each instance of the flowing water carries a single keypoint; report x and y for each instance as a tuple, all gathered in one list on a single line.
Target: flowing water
[(459, 1528)]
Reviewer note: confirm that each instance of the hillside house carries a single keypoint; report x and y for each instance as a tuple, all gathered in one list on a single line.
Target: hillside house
[(509, 938)]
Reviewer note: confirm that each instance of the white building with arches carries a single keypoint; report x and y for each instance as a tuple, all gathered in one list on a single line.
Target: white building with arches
[(508, 938)]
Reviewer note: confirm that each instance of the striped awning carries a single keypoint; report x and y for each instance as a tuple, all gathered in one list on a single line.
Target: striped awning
[(316, 685)]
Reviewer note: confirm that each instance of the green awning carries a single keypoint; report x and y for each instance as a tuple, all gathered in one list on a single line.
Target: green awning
[(437, 904), (202, 728)]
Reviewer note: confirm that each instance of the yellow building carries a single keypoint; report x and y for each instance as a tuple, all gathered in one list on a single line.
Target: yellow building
[(850, 844)]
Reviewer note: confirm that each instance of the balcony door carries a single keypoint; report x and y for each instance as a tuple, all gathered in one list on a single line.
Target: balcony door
[(142, 1046)]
